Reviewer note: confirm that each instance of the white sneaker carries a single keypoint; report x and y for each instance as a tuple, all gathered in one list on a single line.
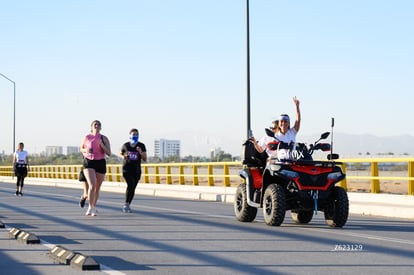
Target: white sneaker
[(88, 212), (93, 212)]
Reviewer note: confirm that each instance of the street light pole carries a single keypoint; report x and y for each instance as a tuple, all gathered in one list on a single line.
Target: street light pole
[(14, 111), (249, 131)]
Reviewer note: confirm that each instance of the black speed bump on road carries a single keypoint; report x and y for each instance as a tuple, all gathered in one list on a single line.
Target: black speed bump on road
[(75, 259), (14, 232), (28, 238), (58, 253), (24, 236), (84, 262), (61, 254)]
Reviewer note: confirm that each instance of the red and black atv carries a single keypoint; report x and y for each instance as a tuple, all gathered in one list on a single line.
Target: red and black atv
[(297, 183)]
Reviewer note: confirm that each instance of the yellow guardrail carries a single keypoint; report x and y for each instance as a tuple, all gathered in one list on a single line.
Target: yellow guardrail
[(206, 173), (214, 173), (375, 176)]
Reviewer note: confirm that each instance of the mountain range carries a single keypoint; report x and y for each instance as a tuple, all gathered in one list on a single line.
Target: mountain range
[(366, 145)]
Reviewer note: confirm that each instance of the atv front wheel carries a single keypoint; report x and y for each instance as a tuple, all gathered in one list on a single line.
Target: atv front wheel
[(274, 205), (243, 211), (336, 212), (302, 216)]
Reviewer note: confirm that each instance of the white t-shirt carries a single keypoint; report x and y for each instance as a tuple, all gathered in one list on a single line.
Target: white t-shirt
[(263, 143), (289, 137), (21, 157)]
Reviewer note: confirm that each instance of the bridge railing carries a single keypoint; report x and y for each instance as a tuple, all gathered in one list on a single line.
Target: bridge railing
[(222, 173), (203, 173), (376, 175)]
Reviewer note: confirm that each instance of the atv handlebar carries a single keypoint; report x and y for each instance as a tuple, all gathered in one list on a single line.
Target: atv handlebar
[(298, 150)]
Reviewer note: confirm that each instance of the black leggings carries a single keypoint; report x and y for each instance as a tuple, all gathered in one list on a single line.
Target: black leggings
[(21, 173), (131, 179), (20, 181)]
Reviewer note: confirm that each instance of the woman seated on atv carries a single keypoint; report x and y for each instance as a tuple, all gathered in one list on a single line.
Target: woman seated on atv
[(282, 132)]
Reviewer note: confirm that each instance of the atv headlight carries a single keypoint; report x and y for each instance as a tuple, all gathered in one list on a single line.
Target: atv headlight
[(289, 174), (275, 167), (334, 176)]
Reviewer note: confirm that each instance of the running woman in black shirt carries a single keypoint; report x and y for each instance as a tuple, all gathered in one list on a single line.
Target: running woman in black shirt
[(132, 153)]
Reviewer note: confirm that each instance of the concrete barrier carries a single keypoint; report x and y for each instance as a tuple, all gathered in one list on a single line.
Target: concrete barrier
[(388, 205)]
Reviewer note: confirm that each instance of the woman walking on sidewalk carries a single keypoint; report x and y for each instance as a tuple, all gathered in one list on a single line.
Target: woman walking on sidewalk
[(94, 148)]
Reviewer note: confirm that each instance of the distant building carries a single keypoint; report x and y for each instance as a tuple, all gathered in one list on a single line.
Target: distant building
[(164, 148), (54, 150), (214, 153), (72, 150)]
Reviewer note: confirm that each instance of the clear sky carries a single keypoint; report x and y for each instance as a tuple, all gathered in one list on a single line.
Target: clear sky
[(176, 69)]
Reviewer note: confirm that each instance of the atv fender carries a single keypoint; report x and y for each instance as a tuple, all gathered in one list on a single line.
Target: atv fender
[(248, 177)]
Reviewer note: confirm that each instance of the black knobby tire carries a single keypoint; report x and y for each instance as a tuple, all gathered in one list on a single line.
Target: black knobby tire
[(274, 205), (302, 216), (243, 211), (336, 212)]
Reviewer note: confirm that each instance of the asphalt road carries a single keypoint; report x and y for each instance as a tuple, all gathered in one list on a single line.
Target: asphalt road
[(173, 236)]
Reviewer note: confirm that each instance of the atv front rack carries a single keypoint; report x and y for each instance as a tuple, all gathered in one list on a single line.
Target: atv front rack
[(318, 163)]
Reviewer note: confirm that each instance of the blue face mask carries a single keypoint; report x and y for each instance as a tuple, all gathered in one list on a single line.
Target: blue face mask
[(133, 139)]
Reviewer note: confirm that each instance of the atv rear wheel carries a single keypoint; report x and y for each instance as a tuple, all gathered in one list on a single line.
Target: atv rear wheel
[(336, 212), (302, 216), (243, 211), (274, 205)]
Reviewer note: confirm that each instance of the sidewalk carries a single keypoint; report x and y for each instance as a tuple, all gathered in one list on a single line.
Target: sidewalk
[(388, 205)]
